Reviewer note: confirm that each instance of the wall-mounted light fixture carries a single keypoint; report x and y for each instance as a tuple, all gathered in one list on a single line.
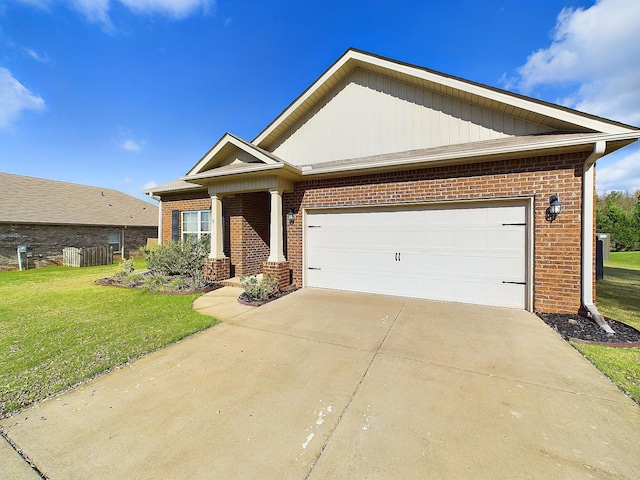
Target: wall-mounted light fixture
[(554, 209), (291, 218)]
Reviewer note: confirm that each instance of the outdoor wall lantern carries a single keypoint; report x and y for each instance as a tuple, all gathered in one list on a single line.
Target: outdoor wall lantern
[(291, 217), (554, 209)]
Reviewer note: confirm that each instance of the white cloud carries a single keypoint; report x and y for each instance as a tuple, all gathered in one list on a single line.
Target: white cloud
[(172, 8), (98, 10), (131, 145), (592, 65), (128, 180), (595, 54), (149, 184), (15, 98), (619, 172), (36, 56)]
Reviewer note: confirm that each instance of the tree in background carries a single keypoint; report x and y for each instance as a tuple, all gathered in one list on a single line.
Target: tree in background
[(618, 213)]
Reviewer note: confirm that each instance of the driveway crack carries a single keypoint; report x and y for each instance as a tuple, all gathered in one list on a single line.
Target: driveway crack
[(355, 391)]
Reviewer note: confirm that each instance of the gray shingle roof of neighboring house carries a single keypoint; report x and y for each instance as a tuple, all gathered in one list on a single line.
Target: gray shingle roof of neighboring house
[(38, 200)]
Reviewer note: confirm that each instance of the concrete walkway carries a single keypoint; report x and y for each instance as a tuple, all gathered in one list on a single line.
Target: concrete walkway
[(322, 384)]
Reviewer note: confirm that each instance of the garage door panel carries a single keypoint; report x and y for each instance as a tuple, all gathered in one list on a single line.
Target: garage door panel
[(463, 253), (470, 239)]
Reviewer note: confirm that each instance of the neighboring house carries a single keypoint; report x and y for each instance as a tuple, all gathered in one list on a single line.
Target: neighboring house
[(49, 215), (390, 178)]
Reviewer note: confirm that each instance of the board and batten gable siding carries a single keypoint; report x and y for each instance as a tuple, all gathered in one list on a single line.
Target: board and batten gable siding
[(371, 114)]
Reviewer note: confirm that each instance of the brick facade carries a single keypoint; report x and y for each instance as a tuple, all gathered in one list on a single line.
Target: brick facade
[(182, 202), (556, 249), (557, 244), (48, 241), (217, 269), (247, 232), (246, 227), (280, 271)]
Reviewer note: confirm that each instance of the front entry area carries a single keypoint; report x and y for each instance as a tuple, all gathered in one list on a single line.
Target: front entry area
[(469, 252)]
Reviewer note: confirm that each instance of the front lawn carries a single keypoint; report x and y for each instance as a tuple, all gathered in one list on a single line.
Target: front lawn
[(618, 297), (630, 260), (58, 329)]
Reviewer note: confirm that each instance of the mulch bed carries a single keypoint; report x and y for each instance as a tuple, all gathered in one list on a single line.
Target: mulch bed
[(113, 282), (577, 328), (246, 300)]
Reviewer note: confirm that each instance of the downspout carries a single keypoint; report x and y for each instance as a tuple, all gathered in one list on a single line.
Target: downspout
[(588, 181)]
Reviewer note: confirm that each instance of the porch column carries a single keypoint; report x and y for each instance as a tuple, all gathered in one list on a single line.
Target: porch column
[(217, 242), (276, 252)]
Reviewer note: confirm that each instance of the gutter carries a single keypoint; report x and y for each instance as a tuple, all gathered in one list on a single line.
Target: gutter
[(588, 182)]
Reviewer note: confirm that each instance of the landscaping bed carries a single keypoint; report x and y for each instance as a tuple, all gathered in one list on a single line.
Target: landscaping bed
[(172, 284), (577, 328), (246, 299)]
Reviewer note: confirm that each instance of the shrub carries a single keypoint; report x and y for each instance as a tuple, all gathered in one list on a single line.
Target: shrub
[(154, 282), (183, 258), (178, 284), (198, 282), (257, 290), (132, 280), (125, 268)]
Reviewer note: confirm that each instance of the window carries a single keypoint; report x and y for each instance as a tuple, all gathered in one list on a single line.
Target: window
[(114, 242), (196, 225)]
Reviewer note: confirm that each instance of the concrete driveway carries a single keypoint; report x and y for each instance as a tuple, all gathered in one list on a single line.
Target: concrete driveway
[(324, 384)]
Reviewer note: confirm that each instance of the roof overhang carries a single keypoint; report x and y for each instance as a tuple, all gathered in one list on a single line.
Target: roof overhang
[(259, 176), (509, 148)]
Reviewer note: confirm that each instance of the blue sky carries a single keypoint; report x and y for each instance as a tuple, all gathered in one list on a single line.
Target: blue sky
[(126, 94)]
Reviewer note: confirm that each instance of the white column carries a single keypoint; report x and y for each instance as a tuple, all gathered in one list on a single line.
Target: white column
[(276, 252), (217, 242)]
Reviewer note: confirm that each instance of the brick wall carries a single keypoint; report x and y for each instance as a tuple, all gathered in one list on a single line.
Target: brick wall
[(556, 248), (183, 202), (48, 241), (246, 218)]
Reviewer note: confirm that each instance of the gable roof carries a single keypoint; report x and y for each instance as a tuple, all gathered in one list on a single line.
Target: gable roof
[(519, 106), (226, 147), (38, 200), (315, 134)]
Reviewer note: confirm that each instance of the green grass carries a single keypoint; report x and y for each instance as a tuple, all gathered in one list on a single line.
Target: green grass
[(619, 298), (58, 329), (630, 260)]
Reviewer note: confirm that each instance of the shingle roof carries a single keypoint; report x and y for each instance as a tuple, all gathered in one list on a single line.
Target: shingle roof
[(38, 200), (175, 186)]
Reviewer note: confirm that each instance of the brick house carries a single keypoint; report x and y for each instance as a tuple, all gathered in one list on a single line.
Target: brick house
[(390, 178), (49, 215)]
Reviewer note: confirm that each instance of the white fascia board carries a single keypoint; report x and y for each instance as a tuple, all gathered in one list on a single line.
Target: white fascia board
[(311, 90), (222, 143), (286, 169), (466, 156)]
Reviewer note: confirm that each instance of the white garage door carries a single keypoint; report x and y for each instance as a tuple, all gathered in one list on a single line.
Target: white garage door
[(471, 253)]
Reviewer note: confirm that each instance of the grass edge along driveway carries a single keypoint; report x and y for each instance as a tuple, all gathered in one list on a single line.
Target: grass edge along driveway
[(618, 297), (58, 329)]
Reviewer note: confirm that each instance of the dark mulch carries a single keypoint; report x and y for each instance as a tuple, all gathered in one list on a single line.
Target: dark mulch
[(247, 300), (584, 329)]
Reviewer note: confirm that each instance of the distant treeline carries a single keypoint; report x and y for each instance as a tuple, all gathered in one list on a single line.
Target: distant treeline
[(618, 213)]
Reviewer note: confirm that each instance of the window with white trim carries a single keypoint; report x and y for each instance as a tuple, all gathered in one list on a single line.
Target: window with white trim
[(196, 225), (114, 242)]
